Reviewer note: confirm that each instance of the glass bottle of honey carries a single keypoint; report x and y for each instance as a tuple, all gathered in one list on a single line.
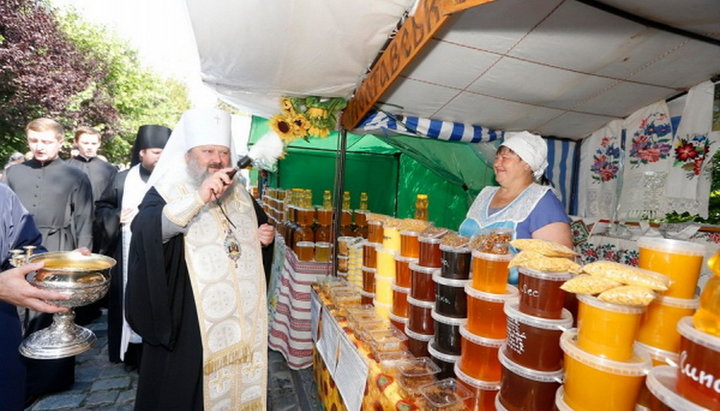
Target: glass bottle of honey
[(361, 228), (421, 207), (346, 217)]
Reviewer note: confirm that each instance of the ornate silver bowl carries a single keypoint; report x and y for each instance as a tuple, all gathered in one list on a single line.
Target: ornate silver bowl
[(85, 279)]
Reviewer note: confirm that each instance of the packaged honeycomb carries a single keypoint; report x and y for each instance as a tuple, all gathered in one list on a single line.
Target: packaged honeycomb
[(453, 239), (628, 295), (537, 261), (587, 284), (544, 247), (628, 275)]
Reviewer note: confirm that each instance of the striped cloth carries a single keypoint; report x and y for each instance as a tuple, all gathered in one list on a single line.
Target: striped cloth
[(422, 127), (289, 305), (561, 170)]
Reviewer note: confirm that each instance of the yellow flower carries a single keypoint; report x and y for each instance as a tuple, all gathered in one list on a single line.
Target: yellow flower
[(286, 106), (316, 112), (283, 127), (300, 124), (319, 132)]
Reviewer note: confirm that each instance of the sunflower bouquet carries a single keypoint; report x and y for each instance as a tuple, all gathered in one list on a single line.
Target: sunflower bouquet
[(304, 117)]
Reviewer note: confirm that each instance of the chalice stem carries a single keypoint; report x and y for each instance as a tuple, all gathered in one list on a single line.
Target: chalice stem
[(64, 323)]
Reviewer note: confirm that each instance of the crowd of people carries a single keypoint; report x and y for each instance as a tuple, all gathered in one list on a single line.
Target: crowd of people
[(186, 305)]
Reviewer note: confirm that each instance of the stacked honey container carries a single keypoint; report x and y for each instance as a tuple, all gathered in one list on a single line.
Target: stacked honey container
[(481, 337), (409, 252), (386, 248)]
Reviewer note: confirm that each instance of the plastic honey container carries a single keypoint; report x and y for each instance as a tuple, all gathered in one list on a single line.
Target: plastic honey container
[(368, 279), (443, 395), (660, 383), (385, 263), (455, 262), (409, 245), (679, 260), (430, 252), (658, 356), (383, 290), (447, 333), (422, 286), (534, 342), (490, 271), (606, 329), (699, 369), (399, 301), (402, 270), (658, 325), (375, 231), (479, 358), (417, 343), (484, 392), (525, 389), (366, 297), (391, 238), (446, 362), (420, 316), (486, 316), (398, 321), (450, 298), (540, 292), (370, 255), (594, 383)]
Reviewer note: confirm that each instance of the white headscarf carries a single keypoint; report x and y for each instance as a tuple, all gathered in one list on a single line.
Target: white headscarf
[(531, 148), (197, 127)]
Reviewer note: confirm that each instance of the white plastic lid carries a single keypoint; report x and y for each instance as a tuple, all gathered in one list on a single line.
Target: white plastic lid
[(656, 354), (447, 320), (403, 259), (305, 244), (671, 246), (560, 403), (383, 279), (323, 244), (399, 289), (430, 240), (483, 385), (373, 245), (452, 249), (420, 303), (617, 308), (368, 269), (397, 318), (439, 279), (435, 353), (689, 304), (366, 294), (376, 303), (492, 257), (686, 329), (548, 276), (410, 233), (498, 405), (478, 340), (511, 293), (417, 336), (387, 251), (456, 393), (423, 270), (564, 323), (530, 374), (340, 257), (375, 222), (661, 383), (635, 367)]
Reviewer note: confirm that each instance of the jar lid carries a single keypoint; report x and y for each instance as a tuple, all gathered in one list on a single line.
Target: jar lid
[(384, 279), (656, 354), (447, 320), (686, 329), (435, 353), (305, 244), (671, 246), (323, 244), (491, 257), (549, 276), (366, 294), (689, 304), (560, 403), (399, 289), (417, 367), (417, 336), (452, 249), (530, 374), (422, 269), (375, 222), (420, 303), (368, 269), (372, 245), (474, 382), (478, 340), (512, 292), (403, 259), (397, 318), (409, 233), (377, 304), (392, 252), (341, 257), (429, 240), (661, 383), (637, 366), (617, 308), (456, 394), (564, 323), (438, 278)]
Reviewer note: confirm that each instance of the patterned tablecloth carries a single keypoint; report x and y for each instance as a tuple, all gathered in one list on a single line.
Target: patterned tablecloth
[(289, 305)]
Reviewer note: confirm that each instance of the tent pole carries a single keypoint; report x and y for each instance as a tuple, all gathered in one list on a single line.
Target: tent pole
[(340, 157)]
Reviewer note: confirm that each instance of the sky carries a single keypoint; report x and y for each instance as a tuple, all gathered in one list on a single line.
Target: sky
[(161, 32)]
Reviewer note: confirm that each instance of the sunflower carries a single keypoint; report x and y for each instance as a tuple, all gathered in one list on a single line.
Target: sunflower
[(283, 127), (319, 132), (300, 125), (316, 112), (287, 106)]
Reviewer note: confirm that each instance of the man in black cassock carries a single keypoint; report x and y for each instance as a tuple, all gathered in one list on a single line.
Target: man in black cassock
[(59, 197), (17, 229), (196, 290), (101, 173), (114, 212)]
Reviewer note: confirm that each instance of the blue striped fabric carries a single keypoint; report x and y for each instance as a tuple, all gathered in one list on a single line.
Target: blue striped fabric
[(421, 127), (561, 161)]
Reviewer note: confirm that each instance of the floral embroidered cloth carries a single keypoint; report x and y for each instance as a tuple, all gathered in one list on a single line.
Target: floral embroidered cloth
[(600, 171)]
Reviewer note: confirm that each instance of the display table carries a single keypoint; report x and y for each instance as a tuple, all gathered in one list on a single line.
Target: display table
[(346, 375), (289, 305)]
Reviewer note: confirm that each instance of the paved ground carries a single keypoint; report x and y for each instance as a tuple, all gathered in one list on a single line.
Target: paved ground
[(102, 385)]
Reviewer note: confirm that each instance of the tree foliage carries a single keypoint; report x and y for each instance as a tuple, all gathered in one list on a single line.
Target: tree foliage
[(55, 64)]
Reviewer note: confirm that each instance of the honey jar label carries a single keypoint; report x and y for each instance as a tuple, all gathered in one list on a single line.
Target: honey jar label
[(515, 337)]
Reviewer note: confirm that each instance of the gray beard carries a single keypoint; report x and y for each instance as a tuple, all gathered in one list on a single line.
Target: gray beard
[(198, 175)]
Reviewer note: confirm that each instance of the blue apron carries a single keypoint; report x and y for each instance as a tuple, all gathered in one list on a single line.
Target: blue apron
[(478, 219)]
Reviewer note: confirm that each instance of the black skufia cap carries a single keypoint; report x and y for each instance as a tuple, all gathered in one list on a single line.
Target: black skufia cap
[(149, 136)]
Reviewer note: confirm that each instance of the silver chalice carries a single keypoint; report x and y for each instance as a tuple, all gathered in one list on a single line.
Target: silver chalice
[(85, 279)]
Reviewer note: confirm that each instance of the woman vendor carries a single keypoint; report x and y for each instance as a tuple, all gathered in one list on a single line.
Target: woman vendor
[(529, 209)]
